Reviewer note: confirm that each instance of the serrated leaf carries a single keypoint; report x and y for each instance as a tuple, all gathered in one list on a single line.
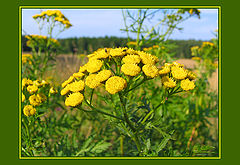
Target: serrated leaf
[(85, 147), (100, 147), (164, 142)]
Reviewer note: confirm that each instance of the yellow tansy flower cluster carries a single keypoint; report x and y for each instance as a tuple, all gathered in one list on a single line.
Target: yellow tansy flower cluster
[(36, 36), (33, 96), (194, 50), (205, 44), (109, 67), (129, 60), (56, 14), (175, 74), (26, 58), (153, 48), (199, 51), (37, 40), (72, 88), (112, 68)]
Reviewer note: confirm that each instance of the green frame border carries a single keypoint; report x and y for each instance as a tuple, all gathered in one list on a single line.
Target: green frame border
[(129, 7)]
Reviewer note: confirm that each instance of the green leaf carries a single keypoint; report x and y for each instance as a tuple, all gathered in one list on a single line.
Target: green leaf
[(85, 146), (148, 145), (164, 142), (100, 147)]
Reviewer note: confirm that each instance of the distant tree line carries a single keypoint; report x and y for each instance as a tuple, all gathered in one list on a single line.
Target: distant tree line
[(86, 45)]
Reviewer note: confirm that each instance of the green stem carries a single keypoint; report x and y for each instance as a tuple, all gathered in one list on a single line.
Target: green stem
[(138, 31), (125, 24), (147, 116), (116, 67), (135, 136), (160, 104), (102, 112), (29, 143), (109, 67), (143, 80), (149, 113), (168, 95), (150, 31), (121, 145), (91, 96)]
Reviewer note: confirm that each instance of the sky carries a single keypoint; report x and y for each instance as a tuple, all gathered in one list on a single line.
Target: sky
[(108, 22)]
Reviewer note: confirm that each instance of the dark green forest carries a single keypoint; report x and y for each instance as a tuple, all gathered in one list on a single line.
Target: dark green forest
[(86, 45)]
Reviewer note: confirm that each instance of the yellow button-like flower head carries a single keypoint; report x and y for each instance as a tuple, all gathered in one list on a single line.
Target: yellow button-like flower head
[(26, 58), (23, 97), (94, 65), (83, 68), (130, 69), (26, 82), (65, 90), (150, 70), (37, 83), (77, 86), (190, 11), (29, 110), (74, 99), (103, 75), (68, 81), (118, 52), (92, 56), (32, 89), (92, 81), (164, 70), (147, 58), (52, 90), (101, 54), (187, 85), (131, 59), (179, 73), (191, 75), (168, 82), (35, 100), (130, 51), (115, 84)]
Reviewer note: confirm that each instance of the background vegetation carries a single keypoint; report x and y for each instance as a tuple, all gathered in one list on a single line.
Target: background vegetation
[(86, 45)]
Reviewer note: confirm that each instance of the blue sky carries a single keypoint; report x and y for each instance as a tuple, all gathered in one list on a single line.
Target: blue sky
[(108, 22)]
